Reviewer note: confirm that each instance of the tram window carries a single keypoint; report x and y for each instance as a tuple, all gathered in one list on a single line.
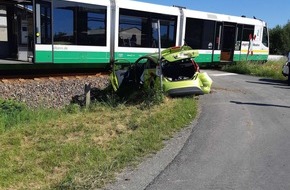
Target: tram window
[(193, 32), (45, 31), (3, 25), (208, 34), (91, 28), (79, 24), (199, 34), (218, 35), (265, 36), (248, 32), (63, 23), (238, 37), (167, 33), (130, 31), (135, 29)]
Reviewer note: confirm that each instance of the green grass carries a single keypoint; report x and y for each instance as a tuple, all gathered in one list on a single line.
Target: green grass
[(14, 114), (270, 69), (83, 148)]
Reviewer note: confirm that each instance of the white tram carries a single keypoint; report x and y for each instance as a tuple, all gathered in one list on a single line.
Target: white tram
[(95, 33)]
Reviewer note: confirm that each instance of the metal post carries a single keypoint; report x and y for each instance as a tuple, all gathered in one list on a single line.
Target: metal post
[(288, 68), (288, 74), (88, 94), (159, 53)]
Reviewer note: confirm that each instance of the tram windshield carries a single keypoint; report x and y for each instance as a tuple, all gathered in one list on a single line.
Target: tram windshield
[(265, 39)]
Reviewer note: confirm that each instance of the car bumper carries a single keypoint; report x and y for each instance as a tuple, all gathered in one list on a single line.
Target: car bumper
[(185, 91), (200, 84)]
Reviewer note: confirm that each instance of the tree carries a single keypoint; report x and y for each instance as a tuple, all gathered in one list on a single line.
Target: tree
[(280, 39), (287, 36)]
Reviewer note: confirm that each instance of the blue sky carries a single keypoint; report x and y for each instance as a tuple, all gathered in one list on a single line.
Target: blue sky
[(274, 12)]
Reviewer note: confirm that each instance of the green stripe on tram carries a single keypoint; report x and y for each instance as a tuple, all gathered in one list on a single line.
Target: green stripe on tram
[(255, 57), (104, 57), (132, 57), (72, 57), (129, 56), (43, 57)]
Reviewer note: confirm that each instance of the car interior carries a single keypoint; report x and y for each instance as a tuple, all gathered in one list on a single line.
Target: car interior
[(179, 70)]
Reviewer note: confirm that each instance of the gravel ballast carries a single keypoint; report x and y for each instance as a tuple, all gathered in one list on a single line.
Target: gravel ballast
[(49, 93)]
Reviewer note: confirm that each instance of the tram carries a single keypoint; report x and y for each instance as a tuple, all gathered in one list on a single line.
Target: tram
[(93, 34)]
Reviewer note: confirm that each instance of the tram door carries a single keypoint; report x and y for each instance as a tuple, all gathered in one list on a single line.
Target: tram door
[(228, 41), (4, 47), (25, 33), (43, 32), (16, 26), (217, 42), (238, 42)]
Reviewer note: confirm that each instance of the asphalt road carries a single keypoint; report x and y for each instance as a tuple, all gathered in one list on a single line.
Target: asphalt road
[(240, 141)]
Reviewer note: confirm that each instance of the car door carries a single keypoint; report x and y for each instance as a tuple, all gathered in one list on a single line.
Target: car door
[(120, 72), (150, 77), (142, 72)]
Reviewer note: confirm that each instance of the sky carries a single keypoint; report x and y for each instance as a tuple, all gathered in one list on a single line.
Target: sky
[(274, 12)]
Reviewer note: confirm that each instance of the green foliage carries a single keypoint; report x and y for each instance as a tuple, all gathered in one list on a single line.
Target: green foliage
[(280, 39), (131, 94), (8, 107), (270, 69), (83, 148), (152, 97), (112, 100), (11, 113), (147, 136), (54, 149), (15, 114), (72, 108)]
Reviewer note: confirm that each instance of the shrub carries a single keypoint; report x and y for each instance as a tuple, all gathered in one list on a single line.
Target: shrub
[(11, 107), (271, 69), (10, 113)]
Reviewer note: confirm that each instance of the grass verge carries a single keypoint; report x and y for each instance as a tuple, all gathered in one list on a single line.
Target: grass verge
[(270, 69), (83, 149)]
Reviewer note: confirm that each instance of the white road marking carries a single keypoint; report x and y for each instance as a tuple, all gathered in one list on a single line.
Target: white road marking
[(223, 74)]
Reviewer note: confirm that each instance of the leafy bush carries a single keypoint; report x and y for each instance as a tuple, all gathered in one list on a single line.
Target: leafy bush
[(72, 108), (271, 69), (152, 97), (280, 39), (11, 107), (10, 112)]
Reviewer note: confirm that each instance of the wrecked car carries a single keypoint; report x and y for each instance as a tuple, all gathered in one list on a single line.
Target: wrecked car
[(176, 73)]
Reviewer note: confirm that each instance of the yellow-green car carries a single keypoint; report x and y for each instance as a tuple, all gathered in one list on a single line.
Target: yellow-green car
[(177, 74)]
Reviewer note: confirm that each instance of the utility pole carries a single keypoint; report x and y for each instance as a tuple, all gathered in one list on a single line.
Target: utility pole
[(288, 68), (157, 26)]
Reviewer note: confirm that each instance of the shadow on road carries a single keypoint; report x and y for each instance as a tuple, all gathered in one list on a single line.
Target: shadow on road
[(259, 104), (283, 84), (271, 82)]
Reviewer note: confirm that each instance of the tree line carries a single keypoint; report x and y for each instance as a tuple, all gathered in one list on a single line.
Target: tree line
[(280, 39)]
